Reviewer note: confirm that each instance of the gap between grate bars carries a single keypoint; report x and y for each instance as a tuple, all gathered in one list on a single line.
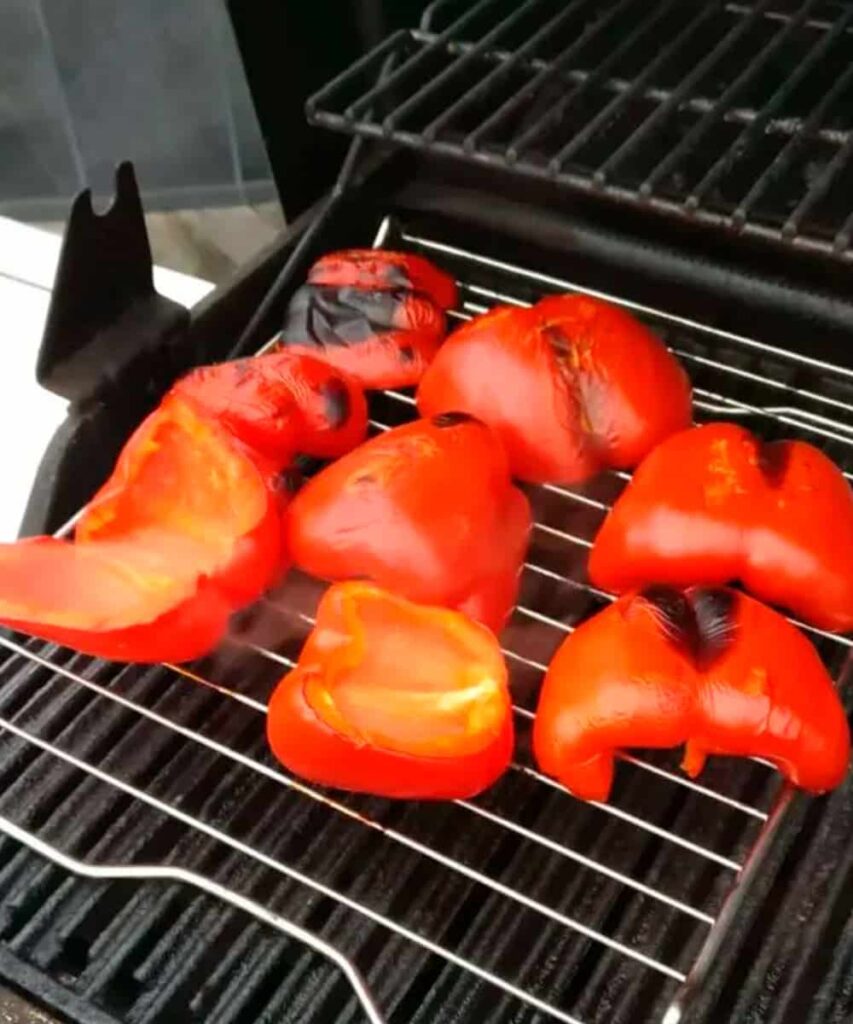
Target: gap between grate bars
[(792, 413)]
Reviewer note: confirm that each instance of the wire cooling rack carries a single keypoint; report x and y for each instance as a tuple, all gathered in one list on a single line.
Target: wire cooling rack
[(708, 837)]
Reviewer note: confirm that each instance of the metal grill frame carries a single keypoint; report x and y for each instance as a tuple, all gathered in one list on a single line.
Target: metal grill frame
[(796, 409), (375, 96)]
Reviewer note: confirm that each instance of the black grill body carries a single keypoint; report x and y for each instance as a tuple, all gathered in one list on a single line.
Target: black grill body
[(726, 901)]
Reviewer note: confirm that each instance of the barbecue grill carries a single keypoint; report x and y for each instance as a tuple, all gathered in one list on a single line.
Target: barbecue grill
[(691, 162)]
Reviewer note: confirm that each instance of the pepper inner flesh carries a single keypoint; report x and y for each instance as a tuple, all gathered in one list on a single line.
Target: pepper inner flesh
[(410, 683)]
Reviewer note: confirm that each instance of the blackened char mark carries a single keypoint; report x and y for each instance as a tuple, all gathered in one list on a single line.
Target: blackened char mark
[(289, 481), (451, 419), (320, 316), (396, 276), (674, 615), (701, 622), (306, 465), (773, 461), (336, 397), (715, 609)]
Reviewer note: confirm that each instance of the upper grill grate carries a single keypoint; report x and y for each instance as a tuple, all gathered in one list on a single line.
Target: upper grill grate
[(521, 904), (733, 114)]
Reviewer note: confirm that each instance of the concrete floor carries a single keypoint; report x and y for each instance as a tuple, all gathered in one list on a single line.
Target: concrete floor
[(14, 1010)]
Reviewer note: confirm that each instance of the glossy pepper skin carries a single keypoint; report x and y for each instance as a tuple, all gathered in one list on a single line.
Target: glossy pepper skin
[(426, 510), (708, 667), (715, 504), (573, 385), (376, 315), (188, 528), (281, 405), (395, 699)]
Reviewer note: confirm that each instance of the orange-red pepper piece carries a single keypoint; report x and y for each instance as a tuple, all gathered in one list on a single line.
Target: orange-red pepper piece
[(573, 385), (708, 667), (427, 510), (187, 529), (395, 699), (281, 404), (716, 504)]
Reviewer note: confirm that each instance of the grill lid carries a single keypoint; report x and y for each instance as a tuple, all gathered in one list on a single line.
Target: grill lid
[(736, 115)]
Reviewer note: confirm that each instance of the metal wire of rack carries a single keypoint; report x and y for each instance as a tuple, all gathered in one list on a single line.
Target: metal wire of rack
[(750, 103), (719, 849)]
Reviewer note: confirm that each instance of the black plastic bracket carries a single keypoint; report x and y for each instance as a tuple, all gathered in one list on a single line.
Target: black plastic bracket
[(112, 346), (105, 318)]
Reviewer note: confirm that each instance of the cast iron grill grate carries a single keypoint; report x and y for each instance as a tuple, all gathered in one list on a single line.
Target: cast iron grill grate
[(734, 114), (523, 904)]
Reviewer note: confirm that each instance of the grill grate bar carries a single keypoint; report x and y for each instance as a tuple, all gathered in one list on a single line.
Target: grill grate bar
[(689, 783), (775, 15), (818, 190), (499, 72), (148, 872), (648, 826), (414, 62), (524, 140), (615, 106), (284, 869), (785, 157), (727, 97), (679, 94), (763, 119), (450, 863), (461, 62), (547, 70)]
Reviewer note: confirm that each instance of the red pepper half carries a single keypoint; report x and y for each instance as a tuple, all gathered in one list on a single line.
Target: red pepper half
[(187, 529), (374, 314), (427, 510), (395, 699), (715, 504), (711, 668), (572, 385)]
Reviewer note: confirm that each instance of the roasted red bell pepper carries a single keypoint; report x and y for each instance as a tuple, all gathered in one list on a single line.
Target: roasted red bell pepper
[(188, 527), (711, 668), (715, 504), (384, 270), (377, 315), (426, 510), (573, 385), (281, 404), (395, 699)]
